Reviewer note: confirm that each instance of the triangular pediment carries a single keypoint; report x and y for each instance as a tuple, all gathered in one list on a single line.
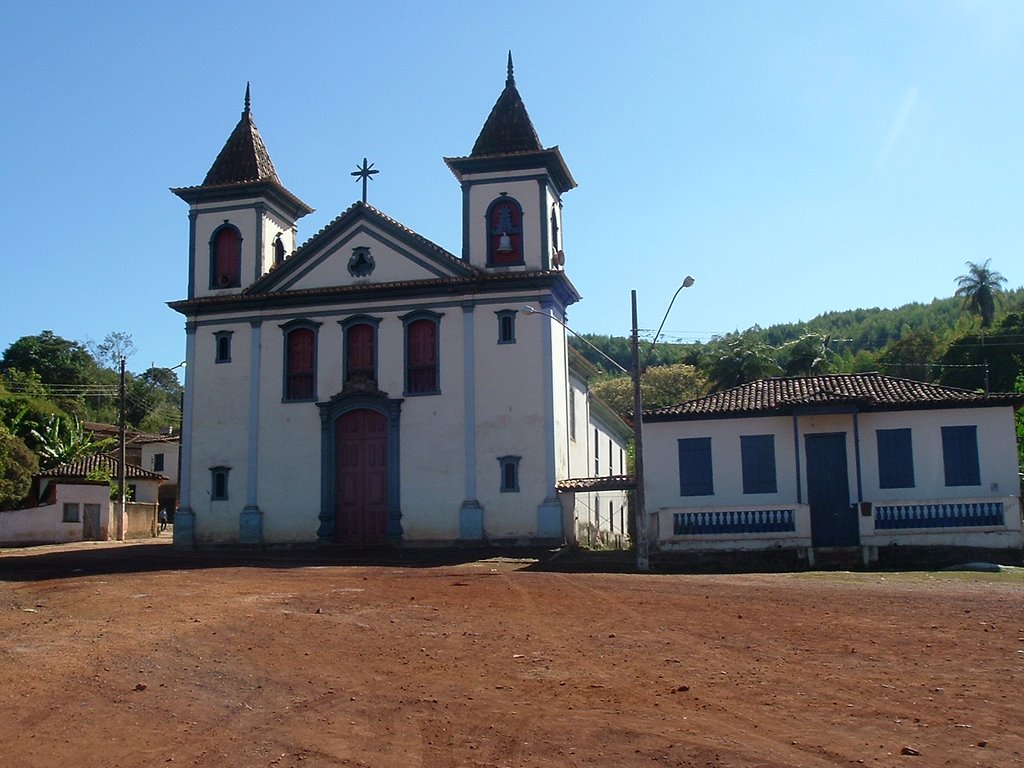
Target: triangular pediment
[(362, 246)]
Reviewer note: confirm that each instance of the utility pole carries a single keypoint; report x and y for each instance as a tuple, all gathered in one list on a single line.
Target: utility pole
[(121, 521), (642, 560)]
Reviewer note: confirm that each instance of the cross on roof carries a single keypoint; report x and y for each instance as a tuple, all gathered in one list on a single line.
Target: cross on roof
[(365, 172)]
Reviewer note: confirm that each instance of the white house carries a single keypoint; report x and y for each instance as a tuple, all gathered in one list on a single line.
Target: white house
[(68, 504), (369, 386), (815, 464)]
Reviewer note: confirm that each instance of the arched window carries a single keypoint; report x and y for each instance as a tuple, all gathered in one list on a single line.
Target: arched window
[(507, 326), (223, 342), (226, 257), (504, 232), (300, 363), (360, 354), (422, 376)]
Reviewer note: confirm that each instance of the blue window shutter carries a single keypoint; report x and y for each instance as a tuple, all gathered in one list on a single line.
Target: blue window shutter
[(895, 458), (960, 455), (757, 455), (695, 472)]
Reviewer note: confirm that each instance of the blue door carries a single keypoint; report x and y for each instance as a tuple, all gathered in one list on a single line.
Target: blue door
[(833, 520)]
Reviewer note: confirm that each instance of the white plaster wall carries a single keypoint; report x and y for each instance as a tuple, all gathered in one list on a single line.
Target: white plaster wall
[(146, 491), (509, 396), (170, 451), (219, 418), (45, 524), (661, 460), (391, 259), (997, 452), (241, 214)]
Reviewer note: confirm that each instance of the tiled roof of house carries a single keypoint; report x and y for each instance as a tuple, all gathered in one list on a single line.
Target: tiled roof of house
[(592, 484), (865, 391), (82, 468), (244, 157), (508, 128)]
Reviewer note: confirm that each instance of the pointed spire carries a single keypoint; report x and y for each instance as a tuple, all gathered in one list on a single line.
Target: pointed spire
[(508, 128), (244, 156)]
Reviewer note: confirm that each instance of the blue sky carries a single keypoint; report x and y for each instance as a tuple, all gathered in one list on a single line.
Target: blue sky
[(795, 157)]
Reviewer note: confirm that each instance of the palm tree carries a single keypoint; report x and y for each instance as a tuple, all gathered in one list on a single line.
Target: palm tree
[(980, 288)]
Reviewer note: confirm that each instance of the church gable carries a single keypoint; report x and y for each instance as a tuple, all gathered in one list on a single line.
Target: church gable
[(362, 246)]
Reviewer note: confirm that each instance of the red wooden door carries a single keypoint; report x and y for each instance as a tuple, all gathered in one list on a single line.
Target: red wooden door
[(361, 477)]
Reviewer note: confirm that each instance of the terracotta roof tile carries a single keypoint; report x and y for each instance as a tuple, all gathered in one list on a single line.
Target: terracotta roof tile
[(866, 391), (81, 468), (508, 127), (606, 483)]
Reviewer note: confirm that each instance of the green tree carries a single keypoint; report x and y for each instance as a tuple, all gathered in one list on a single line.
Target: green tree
[(1000, 353), (62, 439), (913, 355), (54, 359), (659, 386), (807, 356), (980, 289), (740, 360), (17, 466), (115, 345)]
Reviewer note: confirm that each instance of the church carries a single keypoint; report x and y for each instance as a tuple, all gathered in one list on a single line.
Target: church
[(368, 387)]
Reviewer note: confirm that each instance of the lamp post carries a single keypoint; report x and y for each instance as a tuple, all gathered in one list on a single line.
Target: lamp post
[(643, 562)]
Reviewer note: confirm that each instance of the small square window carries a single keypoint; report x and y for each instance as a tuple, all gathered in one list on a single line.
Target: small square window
[(71, 513), (509, 473)]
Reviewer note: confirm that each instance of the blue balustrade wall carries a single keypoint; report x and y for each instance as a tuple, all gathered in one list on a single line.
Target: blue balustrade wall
[(958, 515), (743, 521)]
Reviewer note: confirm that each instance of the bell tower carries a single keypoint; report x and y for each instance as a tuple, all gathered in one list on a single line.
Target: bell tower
[(241, 218), (511, 191)]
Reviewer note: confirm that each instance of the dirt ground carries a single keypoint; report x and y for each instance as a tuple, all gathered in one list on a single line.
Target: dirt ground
[(134, 656)]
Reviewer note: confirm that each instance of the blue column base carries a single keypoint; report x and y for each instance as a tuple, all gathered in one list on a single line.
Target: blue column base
[(549, 519), (184, 528), (471, 521), (250, 526)]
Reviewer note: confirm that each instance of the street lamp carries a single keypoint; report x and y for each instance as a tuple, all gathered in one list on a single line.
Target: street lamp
[(643, 562)]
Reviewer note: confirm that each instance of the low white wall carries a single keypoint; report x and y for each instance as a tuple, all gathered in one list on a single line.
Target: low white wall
[(45, 524), (662, 528)]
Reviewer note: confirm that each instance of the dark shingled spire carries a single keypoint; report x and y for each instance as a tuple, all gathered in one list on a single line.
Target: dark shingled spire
[(508, 128), (244, 157)]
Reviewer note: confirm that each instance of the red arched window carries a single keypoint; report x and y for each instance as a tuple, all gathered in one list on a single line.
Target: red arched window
[(360, 357), (300, 354), (421, 357), (226, 258), (504, 232)]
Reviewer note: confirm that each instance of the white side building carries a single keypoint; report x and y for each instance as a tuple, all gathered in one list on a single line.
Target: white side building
[(811, 465)]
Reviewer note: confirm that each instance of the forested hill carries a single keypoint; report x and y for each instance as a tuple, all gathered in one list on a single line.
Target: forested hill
[(939, 341)]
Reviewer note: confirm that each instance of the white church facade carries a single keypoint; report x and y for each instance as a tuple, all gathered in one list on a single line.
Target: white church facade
[(369, 387)]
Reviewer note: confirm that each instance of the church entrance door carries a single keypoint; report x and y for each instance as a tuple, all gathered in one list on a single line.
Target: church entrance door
[(361, 477)]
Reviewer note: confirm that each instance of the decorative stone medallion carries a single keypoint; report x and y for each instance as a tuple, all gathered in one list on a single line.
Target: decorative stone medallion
[(360, 264)]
